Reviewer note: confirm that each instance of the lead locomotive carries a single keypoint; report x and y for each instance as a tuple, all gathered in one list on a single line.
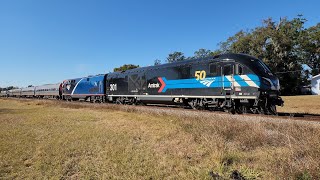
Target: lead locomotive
[(234, 82)]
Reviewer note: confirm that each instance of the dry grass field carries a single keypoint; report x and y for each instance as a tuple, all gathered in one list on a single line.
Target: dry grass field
[(61, 140), (301, 104)]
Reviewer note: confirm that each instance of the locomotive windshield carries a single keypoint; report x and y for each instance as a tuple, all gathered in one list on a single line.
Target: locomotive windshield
[(262, 67)]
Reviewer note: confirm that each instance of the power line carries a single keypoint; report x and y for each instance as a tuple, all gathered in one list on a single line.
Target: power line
[(292, 71), (287, 72)]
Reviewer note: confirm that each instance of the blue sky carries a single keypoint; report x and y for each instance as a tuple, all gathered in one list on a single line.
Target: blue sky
[(47, 41)]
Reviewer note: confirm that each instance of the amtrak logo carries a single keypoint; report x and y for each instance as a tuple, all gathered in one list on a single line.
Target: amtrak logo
[(153, 85), (68, 86), (208, 81)]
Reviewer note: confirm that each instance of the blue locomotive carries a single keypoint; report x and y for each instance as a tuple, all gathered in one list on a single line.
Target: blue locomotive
[(90, 88)]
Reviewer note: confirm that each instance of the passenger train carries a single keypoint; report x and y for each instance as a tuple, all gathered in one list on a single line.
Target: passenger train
[(231, 82)]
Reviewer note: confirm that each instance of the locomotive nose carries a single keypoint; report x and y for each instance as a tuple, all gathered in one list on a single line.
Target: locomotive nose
[(276, 83), (271, 82)]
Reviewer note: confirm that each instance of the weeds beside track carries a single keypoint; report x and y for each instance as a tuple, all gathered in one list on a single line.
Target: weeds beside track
[(65, 140)]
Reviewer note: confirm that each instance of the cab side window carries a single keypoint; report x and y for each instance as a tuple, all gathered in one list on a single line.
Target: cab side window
[(213, 69), (185, 72), (227, 69), (239, 69)]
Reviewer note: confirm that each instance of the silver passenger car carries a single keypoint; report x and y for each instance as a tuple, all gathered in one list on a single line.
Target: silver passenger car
[(3, 93), (27, 92), (16, 92), (47, 91), (9, 93)]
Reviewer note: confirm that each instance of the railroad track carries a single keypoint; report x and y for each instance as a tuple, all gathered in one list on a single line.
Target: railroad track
[(280, 115), (300, 115)]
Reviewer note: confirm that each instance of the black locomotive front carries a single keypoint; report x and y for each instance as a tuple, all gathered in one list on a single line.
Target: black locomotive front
[(269, 85)]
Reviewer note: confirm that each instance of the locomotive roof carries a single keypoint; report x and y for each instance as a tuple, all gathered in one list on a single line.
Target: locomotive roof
[(243, 58), (90, 76)]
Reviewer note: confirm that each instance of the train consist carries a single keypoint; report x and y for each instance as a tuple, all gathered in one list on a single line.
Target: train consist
[(232, 82), (44, 91)]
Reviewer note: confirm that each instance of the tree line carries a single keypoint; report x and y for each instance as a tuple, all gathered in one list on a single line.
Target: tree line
[(8, 88), (286, 46)]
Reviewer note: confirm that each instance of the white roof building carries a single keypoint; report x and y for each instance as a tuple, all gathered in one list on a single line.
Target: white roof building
[(315, 85)]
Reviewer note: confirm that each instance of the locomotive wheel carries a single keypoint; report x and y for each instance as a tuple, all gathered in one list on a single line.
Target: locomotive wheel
[(91, 99), (261, 110), (119, 101), (255, 111), (241, 109), (194, 104), (272, 110), (101, 100), (232, 111)]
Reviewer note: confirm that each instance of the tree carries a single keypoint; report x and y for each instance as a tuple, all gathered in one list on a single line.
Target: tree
[(282, 52), (202, 53), (311, 47), (11, 87), (239, 43), (157, 62), (125, 67), (215, 53), (175, 57), (278, 44), (190, 58)]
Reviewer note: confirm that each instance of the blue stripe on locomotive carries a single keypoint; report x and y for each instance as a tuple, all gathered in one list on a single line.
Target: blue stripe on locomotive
[(211, 82), (90, 86)]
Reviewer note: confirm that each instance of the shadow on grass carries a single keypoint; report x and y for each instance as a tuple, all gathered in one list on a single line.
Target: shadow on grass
[(8, 111), (4, 111), (298, 114)]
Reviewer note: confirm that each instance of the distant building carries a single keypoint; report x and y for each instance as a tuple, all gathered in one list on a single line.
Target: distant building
[(315, 85)]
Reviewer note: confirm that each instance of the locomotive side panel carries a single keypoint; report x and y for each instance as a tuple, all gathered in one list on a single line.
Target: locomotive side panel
[(117, 84), (203, 79), (193, 79)]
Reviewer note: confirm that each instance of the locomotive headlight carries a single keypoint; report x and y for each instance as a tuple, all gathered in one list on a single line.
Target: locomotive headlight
[(266, 82), (272, 85), (277, 84)]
